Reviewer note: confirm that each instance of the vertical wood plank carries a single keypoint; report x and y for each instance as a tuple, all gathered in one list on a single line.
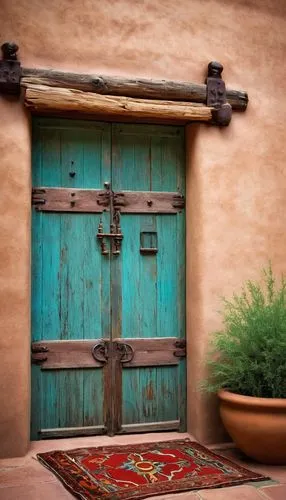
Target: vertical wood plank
[(148, 157), (71, 295), (148, 268), (131, 162), (167, 261)]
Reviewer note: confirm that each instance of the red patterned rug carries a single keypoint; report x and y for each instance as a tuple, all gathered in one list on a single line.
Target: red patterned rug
[(142, 470)]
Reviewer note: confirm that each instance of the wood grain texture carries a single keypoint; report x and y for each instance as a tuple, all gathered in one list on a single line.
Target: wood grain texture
[(72, 431), (67, 304), (150, 159), (63, 354), (80, 296), (143, 202), (46, 199), (41, 98), (129, 87), (152, 351), (151, 427)]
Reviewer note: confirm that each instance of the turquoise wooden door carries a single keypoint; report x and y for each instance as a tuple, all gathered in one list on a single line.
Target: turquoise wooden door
[(108, 307)]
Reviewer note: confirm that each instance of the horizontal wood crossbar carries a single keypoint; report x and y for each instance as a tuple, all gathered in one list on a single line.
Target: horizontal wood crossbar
[(129, 87), (46, 99), (61, 354), (140, 202), (72, 431), (47, 199), (153, 351), (168, 425), (67, 354)]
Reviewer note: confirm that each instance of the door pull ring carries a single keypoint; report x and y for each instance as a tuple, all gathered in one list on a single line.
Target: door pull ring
[(100, 351)]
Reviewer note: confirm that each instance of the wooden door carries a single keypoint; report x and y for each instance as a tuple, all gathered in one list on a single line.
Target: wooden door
[(108, 315)]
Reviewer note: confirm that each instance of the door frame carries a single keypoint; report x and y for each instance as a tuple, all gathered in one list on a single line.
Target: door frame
[(19, 361), (177, 184)]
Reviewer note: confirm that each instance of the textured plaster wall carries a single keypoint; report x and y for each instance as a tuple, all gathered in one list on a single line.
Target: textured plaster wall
[(15, 167), (236, 177)]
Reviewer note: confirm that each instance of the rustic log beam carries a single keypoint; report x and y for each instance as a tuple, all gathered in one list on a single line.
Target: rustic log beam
[(41, 98), (128, 87)]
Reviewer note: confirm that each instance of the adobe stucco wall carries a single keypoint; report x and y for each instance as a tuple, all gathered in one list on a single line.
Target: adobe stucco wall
[(236, 177)]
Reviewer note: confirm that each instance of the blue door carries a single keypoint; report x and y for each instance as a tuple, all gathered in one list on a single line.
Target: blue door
[(108, 278)]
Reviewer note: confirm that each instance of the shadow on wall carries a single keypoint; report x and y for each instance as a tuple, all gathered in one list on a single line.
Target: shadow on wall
[(274, 8)]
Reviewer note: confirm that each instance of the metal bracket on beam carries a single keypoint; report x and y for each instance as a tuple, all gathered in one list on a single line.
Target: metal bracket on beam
[(10, 69), (216, 95)]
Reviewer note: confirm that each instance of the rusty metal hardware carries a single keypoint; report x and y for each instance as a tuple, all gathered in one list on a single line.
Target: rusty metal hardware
[(104, 349), (100, 236), (178, 201), (118, 201), (180, 351), (148, 243), (37, 197), (118, 236), (73, 200), (100, 351), (148, 251), (10, 69), (103, 199), (216, 95), (126, 352), (39, 354), (115, 235)]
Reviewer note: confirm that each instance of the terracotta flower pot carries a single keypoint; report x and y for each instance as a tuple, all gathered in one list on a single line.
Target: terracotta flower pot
[(256, 425)]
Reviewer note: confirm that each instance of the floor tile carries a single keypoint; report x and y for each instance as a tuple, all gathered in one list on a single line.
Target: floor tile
[(38, 491), (275, 492), (275, 472), (187, 495), (233, 493), (66, 444), (27, 475), (26, 479)]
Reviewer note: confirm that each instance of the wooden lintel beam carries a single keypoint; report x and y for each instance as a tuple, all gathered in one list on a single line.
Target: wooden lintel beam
[(42, 98), (128, 87)]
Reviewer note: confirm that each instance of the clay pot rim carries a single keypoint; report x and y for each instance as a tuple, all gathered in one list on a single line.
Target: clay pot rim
[(234, 398)]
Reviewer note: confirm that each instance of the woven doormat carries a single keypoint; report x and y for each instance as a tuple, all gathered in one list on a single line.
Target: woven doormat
[(138, 471)]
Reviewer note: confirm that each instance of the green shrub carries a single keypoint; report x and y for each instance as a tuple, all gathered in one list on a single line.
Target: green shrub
[(249, 355)]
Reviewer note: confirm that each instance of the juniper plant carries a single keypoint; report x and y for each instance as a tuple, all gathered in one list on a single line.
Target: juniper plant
[(248, 356)]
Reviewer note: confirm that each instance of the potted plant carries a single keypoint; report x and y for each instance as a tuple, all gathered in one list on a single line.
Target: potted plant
[(248, 369)]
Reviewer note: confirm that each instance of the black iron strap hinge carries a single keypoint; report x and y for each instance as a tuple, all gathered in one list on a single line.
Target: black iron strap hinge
[(10, 70), (39, 354), (180, 351)]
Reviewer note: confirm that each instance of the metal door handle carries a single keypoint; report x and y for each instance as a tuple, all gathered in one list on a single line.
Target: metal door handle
[(100, 351), (126, 352)]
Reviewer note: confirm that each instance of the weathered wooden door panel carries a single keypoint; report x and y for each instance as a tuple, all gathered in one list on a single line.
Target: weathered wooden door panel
[(150, 396), (150, 277), (130, 303), (70, 297)]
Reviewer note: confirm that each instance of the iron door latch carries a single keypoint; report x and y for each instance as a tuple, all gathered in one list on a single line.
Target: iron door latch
[(103, 350), (115, 235)]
